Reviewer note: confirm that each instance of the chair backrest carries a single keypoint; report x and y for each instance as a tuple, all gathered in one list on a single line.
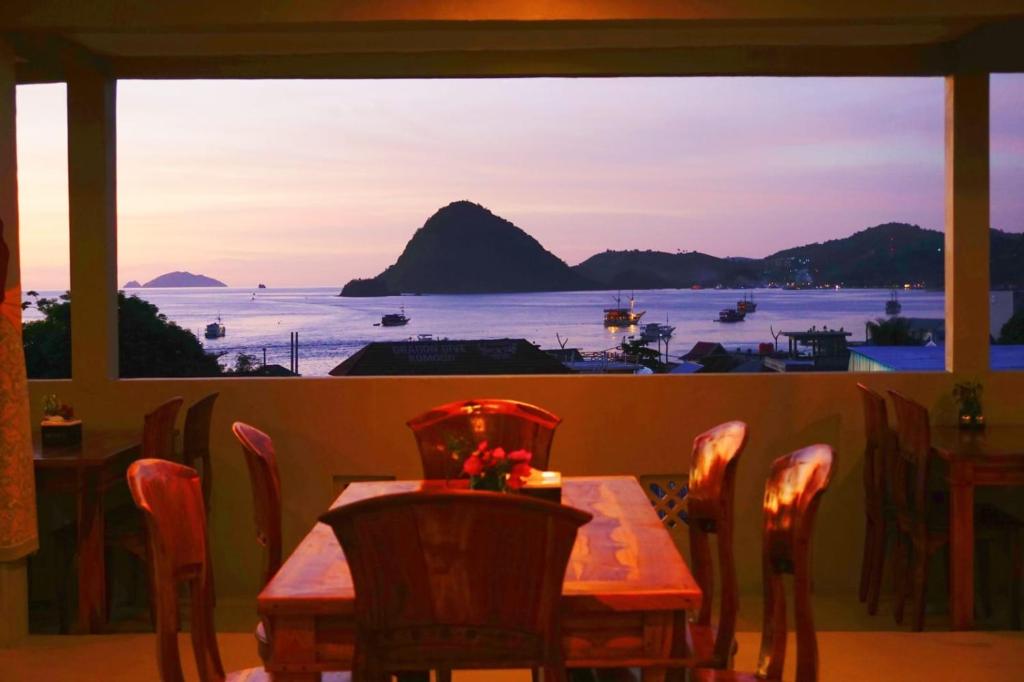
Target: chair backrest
[(158, 430), (196, 446), (458, 427), (266, 491), (456, 579), (171, 501), (879, 450), (791, 497), (910, 474), (709, 510)]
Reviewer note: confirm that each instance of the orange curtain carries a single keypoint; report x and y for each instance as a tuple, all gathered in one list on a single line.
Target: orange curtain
[(18, 533)]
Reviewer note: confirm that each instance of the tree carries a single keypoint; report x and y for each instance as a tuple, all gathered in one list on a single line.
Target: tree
[(148, 344), (48, 341), (1013, 330), (894, 331), (245, 364)]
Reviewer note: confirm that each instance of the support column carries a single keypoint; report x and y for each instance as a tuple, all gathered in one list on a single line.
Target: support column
[(967, 223), (13, 572), (92, 207)]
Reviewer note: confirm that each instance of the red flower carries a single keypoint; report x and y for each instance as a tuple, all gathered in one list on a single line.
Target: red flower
[(498, 453), (517, 477), (520, 456), (472, 466)]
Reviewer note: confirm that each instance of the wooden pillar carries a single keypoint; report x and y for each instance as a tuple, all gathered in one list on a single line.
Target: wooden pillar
[(92, 208), (13, 574), (967, 223)]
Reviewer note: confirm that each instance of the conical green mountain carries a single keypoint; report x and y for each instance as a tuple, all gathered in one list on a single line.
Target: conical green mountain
[(464, 248)]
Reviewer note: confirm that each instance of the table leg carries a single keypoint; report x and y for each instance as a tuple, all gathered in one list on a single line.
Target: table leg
[(961, 548), (658, 642), (92, 598)]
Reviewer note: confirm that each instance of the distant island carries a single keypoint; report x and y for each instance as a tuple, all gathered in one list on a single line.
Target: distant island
[(176, 279), (466, 249)]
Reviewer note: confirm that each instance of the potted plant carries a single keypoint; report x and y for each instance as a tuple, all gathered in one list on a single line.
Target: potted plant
[(968, 398)]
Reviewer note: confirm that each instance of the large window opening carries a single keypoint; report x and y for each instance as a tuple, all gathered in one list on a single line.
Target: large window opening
[(43, 234), (1007, 218), (533, 225)]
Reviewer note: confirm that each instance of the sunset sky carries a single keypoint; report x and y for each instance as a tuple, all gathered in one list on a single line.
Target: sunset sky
[(303, 183)]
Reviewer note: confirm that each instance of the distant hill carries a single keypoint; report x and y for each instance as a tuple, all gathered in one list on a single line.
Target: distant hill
[(893, 254), (132, 284), (884, 255), (661, 270), (181, 279), (464, 248)]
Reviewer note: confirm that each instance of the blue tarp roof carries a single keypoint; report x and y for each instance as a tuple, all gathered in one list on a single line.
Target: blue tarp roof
[(933, 358)]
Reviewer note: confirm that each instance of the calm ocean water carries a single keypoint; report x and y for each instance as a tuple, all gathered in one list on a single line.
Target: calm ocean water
[(332, 328)]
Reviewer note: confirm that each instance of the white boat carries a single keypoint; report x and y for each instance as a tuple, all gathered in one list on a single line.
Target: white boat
[(216, 330)]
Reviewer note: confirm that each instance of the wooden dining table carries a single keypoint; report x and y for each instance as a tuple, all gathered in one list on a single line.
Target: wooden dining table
[(87, 471), (625, 597), (993, 456)]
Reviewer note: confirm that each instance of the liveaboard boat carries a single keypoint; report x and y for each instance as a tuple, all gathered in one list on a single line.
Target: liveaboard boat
[(394, 319), (893, 305), (730, 315), (747, 305), (655, 331), (620, 316), (216, 330)]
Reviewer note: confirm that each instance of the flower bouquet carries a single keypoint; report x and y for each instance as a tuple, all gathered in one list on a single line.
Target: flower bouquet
[(494, 469)]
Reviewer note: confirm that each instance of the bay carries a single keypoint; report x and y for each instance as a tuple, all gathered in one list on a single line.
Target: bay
[(332, 328)]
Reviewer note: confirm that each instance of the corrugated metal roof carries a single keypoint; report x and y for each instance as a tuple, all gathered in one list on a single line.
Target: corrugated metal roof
[(933, 358), (440, 357)]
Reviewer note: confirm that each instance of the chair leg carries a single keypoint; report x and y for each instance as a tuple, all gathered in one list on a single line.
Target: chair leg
[(983, 552), (900, 569), (877, 568), (554, 673), (867, 560), (1016, 575), (919, 577)]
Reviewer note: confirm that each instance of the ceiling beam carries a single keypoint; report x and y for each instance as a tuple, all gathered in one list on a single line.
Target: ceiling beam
[(704, 61), (117, 15)]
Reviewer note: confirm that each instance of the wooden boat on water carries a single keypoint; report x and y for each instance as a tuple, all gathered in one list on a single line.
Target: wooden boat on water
[(216, 330), (620, 316), (747, 305), (730, 315)]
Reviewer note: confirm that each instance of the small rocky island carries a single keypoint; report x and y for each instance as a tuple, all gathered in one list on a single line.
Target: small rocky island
[(176, 279)]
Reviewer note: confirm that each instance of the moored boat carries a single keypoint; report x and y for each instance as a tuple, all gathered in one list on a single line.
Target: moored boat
[(747, 305), (893, 305), (394, 319), (620, 316), (730, 315), (216, 330)]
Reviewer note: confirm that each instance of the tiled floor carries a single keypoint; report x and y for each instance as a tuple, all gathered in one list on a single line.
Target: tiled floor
[(853, 647), (845, 657)]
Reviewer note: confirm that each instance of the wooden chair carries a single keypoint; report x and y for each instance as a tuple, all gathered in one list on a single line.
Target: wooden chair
[(709, 509), (458, 427), (879, 455), (171, 501), (456, 579), (792, 494), (125, 529), (265, 481), (922, 518), (196, 446)]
